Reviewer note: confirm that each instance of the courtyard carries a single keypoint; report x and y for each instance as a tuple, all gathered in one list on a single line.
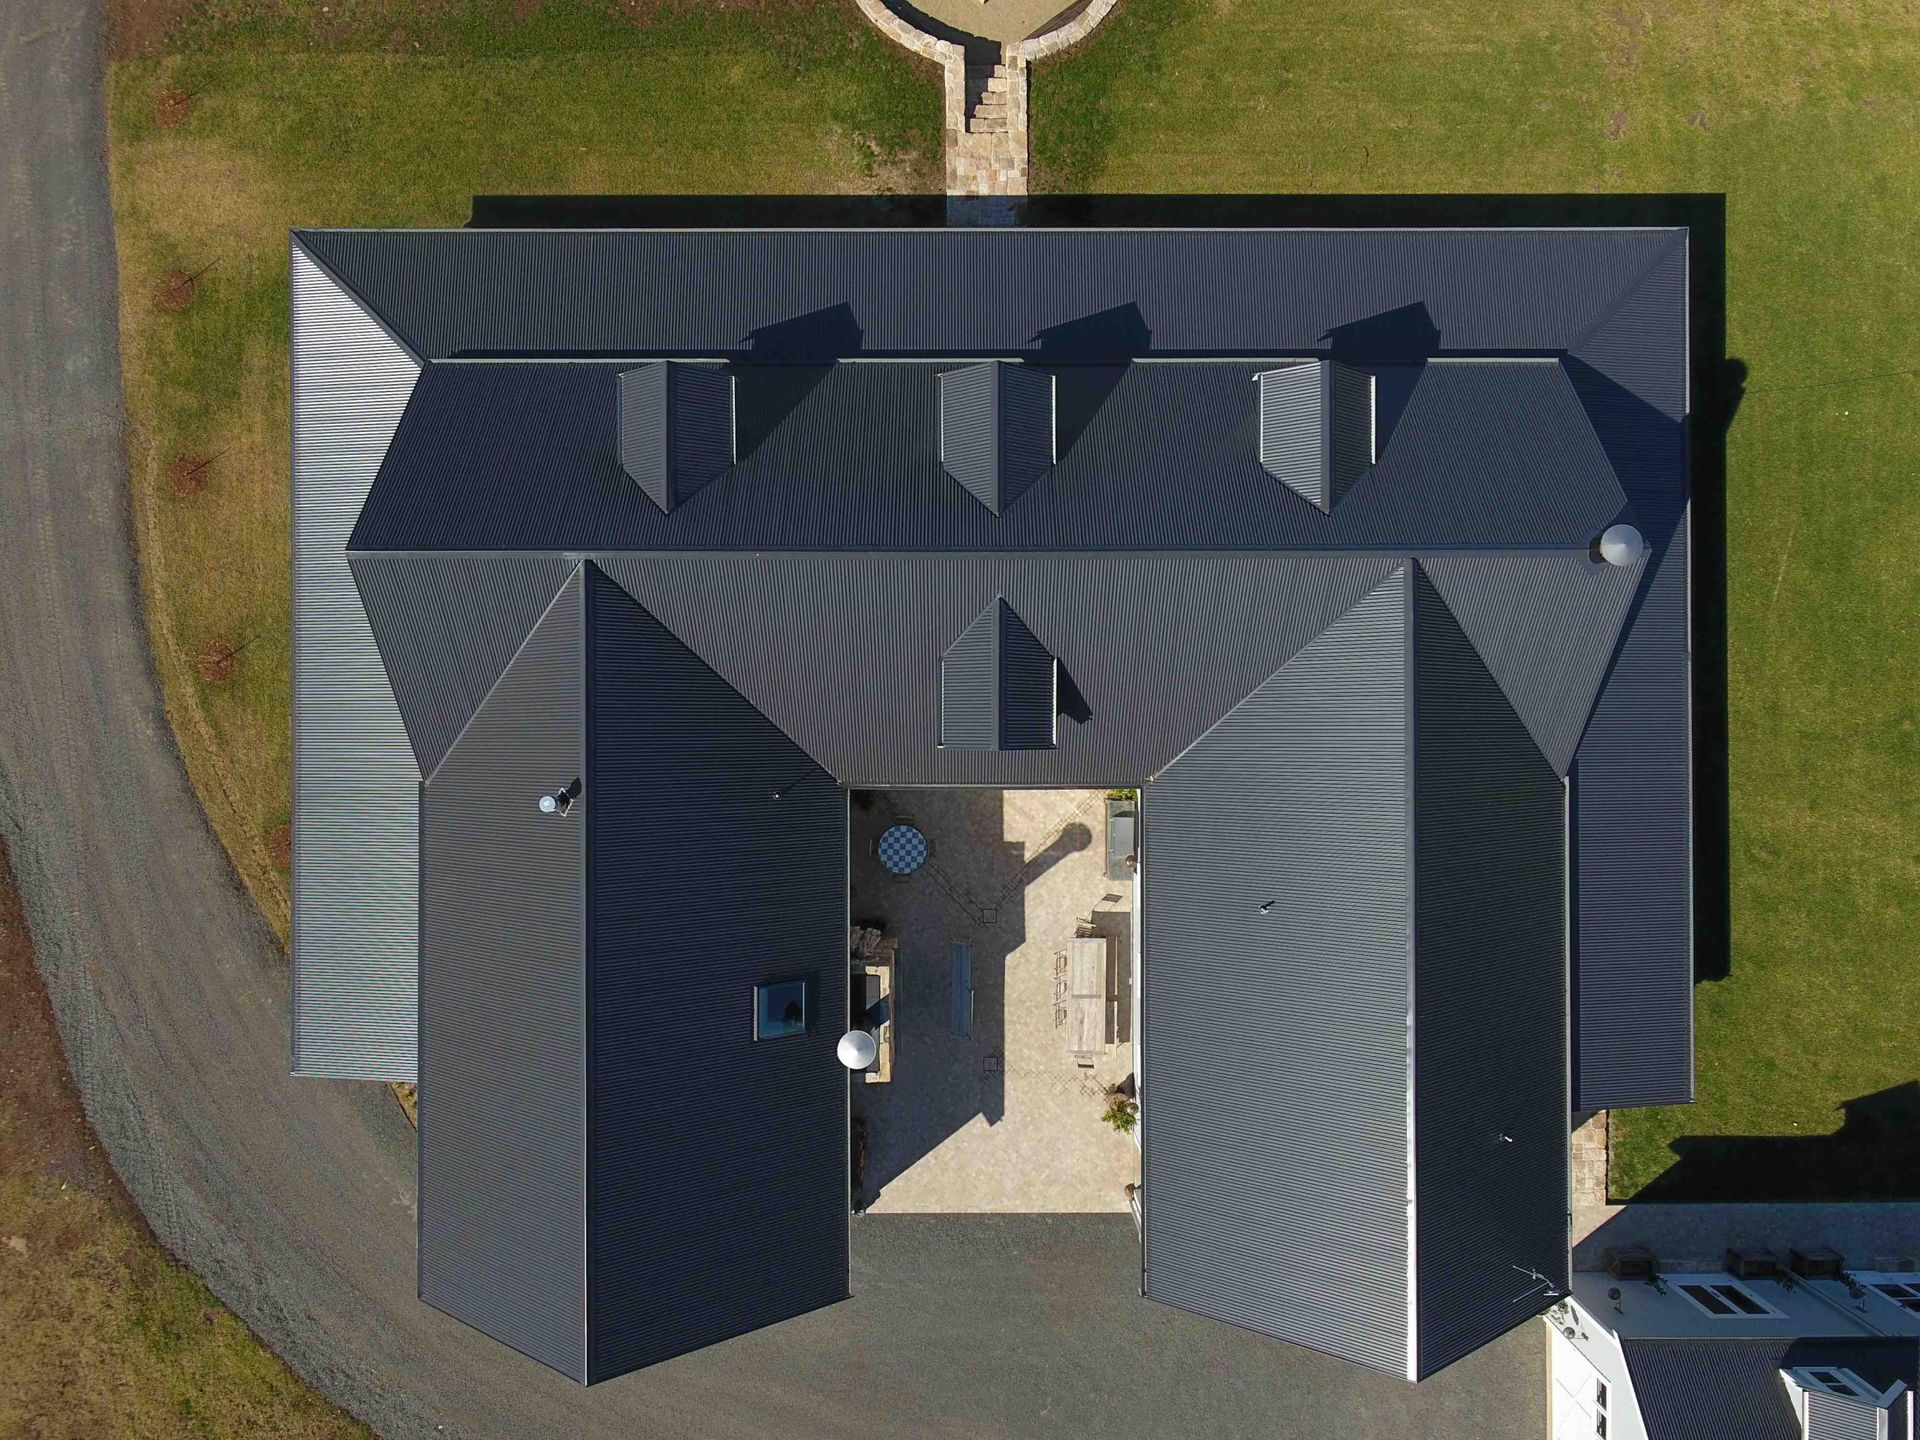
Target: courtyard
[(987, 1108)]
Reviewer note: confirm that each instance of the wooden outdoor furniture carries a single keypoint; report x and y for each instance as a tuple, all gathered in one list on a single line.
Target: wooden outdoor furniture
[(878, 983), (1086, 997)]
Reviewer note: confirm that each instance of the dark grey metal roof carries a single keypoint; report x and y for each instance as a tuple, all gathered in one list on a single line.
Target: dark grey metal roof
[(1730, 1389), (996, 429), (583, 969), (1531, 389), (1632, 831), (1153, 456), (447, 625), (1275, 1087), (676, 428), (1354, 1015), (717, 1163), (503, 997), (1546, 626), (1316, 428), (985, 293), (841, 651), (999, 688), (1489, 845)]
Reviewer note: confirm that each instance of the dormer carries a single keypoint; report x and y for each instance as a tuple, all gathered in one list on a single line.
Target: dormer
[(676, 428), (1317, 428), (999, 686), (996, 429)]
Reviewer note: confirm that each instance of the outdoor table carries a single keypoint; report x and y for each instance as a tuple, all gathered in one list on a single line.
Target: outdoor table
[(902, 849), (1086, 996)]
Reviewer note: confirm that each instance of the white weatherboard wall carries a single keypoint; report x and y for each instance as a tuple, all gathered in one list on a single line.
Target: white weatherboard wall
[(1577, 1367), (356, 864)]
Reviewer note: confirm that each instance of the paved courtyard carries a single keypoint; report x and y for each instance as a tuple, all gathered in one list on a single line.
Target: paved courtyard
[(1001, 1119)]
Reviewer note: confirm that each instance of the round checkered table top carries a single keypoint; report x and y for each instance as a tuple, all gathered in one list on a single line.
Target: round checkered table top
[(903, 849)]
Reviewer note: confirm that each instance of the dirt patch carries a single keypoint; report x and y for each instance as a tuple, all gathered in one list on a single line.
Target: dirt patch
[(41, 1122), (218, 662), (280, 847), (1617, 125), (141, 27), (175, 290), (171, 108), (189, 474)]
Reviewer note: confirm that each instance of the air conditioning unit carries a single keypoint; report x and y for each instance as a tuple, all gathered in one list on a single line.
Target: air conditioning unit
[(1629, 1262), (1753, 1263), (1820, 1262)]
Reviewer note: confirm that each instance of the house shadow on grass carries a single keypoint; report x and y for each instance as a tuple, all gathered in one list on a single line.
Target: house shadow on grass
[(1874, 1155)]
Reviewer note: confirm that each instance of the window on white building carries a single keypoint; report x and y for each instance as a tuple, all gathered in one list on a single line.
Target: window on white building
[(1721, 1298)]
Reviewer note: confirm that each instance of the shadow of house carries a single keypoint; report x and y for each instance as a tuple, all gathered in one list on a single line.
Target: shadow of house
[(971, 891), (1874, 1155), (1404, 335), (943, 1080), (785, 363), (1088, 357)]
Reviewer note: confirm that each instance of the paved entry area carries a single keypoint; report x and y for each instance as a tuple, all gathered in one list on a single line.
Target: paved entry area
[(1001, 1118)]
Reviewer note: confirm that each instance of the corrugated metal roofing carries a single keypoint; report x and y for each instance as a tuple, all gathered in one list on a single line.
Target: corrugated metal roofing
[(1355, 1010), (503, 996), (985, 293), (998, 686), (1489, 847), (1730, 1389), (1316, 428), (355, 807), (841, 651), (1632, 829), (1546, 626), (676, 428), (996, 429), (447, 625), (1153, 456), (717, 1176), (1277, 901), (1171, 577), (1836, 1417), (564, 1211)]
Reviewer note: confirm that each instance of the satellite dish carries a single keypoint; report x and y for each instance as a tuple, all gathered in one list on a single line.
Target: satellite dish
[(1622, 545), (857, 1050), (549, 804)]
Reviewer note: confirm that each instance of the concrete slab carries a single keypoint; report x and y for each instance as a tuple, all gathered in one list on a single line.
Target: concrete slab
[(1001, 1119)]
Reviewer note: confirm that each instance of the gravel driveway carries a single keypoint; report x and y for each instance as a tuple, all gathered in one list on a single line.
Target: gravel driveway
[(295, 1199)]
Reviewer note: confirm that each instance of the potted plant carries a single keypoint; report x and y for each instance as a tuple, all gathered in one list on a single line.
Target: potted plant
[(1122, 1114)]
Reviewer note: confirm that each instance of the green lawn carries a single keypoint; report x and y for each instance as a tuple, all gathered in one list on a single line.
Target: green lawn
[(1803, 114), (391, 113)]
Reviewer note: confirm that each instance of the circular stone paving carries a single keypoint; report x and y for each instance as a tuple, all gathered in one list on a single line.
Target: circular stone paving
[(1002, 20)]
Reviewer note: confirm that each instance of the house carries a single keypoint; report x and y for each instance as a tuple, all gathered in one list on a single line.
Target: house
[(1747, 1347), (622, 556)]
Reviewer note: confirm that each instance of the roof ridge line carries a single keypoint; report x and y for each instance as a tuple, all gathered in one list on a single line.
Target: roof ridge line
[(1360, 600), (1611, 311), (366, 306), (692, 650), (467, 724)]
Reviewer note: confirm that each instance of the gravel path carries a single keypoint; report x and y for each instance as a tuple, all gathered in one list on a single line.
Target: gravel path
[(295, 1199)]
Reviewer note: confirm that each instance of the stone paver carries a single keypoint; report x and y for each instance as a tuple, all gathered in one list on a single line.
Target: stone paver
[(1002, 1120)]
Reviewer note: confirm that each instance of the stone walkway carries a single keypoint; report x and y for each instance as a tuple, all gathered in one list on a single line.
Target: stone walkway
[(984, 51), (1002, 1119)]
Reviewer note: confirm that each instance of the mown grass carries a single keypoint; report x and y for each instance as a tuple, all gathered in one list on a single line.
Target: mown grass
[(1803, 115), (386, 113)]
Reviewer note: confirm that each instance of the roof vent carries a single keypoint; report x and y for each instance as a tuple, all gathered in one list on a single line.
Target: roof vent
[(1622, 545), (999, 686), (676, 428), (1317, 428), (996, 429)]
